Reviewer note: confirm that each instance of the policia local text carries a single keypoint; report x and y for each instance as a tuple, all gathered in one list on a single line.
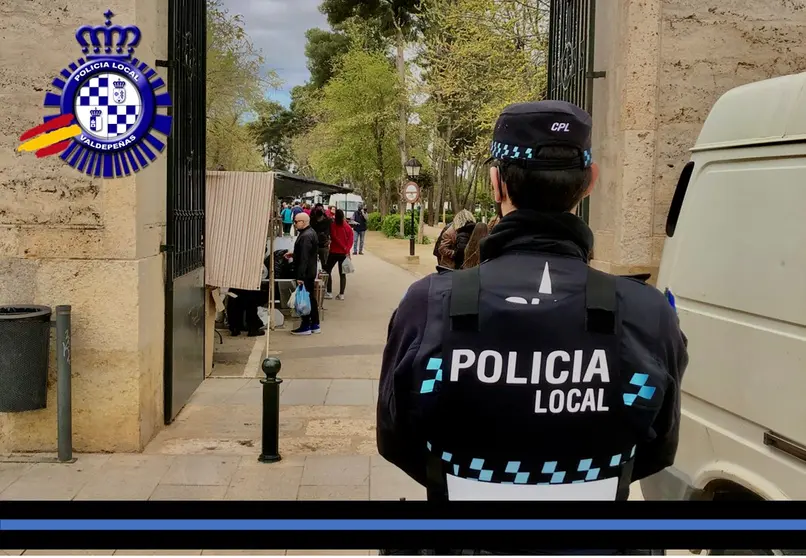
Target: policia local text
[(555, 370)]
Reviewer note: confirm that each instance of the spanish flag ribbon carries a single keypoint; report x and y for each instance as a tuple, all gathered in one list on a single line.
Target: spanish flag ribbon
[(55, 138)]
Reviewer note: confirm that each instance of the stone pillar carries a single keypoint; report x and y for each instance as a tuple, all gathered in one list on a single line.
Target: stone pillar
[(667, 62), (94, 244), (625, 122)]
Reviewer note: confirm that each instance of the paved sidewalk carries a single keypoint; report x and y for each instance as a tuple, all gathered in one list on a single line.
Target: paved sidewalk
[(327, 429)]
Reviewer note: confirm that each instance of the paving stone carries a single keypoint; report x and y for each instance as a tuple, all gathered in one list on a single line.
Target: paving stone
[(264, 481), (10, 472), (315, 446), (201, 470), (163, 444), (243, 552), (248, 395), (341, 427), (375, 386), (390, 483), (68, 553), (359, 492), (366, 412), (378, 461), (327, 553), (350, 392), (127, 477), (221, 385), (158, 552), (305, 392), (188, 492), (55, 481), (336, 471)]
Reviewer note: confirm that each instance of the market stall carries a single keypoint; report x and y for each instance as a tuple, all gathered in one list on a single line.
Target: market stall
[(244, 230)]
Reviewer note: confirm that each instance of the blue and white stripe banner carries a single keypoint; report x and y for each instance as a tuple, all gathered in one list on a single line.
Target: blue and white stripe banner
[(403, 525)]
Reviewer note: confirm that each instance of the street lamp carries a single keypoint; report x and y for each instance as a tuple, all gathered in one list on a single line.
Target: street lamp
[(413, 167)]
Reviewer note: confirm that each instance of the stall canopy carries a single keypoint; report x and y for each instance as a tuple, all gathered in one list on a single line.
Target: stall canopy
[(239, 206), (287, 185)]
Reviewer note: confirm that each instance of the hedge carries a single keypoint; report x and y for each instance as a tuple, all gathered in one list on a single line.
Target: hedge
[(391, 226), (374, 221)]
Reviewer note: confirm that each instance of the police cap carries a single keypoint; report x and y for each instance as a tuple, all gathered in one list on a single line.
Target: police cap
[(523, 129)]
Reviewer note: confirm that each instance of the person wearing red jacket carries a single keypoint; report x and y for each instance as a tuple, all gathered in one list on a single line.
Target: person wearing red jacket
[(341, 242)]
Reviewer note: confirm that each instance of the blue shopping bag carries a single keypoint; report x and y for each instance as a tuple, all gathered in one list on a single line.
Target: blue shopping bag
[(302, 302)]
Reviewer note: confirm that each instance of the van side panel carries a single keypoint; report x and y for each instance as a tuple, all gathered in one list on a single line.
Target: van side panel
[(737, 266)]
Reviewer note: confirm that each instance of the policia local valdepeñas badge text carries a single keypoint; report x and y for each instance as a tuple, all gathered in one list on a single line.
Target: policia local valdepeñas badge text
[(107, 107)]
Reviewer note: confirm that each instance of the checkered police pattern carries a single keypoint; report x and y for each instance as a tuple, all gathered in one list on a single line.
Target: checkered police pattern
[(118, 100), (506, 152), (121, 118), (574, 471)]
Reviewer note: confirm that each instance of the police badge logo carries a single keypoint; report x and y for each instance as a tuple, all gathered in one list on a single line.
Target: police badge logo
[(108, 106)]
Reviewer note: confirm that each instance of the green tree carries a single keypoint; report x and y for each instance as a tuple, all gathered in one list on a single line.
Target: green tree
[(273, 131), (478, 56), (396, 18), (236, 84), (356, 124), (323, 50)]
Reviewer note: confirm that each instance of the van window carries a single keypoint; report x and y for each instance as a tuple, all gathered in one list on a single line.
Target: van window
[(677, 200)]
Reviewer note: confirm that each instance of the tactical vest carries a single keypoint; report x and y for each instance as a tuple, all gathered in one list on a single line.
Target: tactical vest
[(530, 405)]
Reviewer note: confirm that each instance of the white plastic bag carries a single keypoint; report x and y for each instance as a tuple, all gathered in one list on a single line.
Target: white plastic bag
[(292, 299), (347, 266), (263, 314)]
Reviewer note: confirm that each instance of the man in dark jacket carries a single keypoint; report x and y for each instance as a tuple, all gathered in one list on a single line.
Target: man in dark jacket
[(360, 228), (306, 252), (533, 372)]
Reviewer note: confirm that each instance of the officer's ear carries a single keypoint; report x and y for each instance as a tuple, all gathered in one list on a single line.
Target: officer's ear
[(495, 181), (594, 178)]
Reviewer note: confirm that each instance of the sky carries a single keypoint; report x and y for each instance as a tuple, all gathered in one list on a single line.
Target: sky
[(277, 27)]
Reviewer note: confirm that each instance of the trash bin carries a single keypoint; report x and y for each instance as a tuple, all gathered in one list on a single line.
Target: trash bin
[(24, 353)]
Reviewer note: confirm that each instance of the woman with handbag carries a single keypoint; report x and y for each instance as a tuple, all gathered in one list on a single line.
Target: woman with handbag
[(341, 242)]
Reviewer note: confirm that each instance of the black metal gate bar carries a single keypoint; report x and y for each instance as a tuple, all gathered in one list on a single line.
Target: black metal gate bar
[(187, 47), (186, 151), (570, 71)]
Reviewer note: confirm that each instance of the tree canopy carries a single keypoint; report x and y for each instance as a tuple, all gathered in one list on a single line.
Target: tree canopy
[(393, 79)]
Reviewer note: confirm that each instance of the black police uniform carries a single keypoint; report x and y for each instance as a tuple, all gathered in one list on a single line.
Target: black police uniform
[(532, 368)]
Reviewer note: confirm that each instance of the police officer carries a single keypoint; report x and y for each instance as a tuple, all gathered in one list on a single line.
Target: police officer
[(533, 371)]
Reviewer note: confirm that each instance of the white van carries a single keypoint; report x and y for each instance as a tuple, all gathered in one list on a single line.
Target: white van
[(735, 260), (348, 203)]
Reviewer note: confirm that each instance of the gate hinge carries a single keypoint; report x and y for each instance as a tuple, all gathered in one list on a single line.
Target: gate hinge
[(163, 63), (596, 75), (166, 248)]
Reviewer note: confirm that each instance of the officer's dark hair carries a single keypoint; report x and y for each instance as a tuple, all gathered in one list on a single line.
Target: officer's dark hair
[(554, 191)]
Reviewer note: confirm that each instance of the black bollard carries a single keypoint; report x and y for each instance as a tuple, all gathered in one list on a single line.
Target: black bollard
[(271, 411)]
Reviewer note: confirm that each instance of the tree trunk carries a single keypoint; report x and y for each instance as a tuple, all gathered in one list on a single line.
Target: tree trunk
[(420, 224), (401, 70), (451, 183), (378, 136)]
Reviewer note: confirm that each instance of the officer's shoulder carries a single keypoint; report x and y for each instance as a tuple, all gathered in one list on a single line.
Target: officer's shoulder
[(636, 293), (419, 290)]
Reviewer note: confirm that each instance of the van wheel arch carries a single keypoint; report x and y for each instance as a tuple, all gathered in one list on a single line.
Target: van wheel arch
[(722, 489)]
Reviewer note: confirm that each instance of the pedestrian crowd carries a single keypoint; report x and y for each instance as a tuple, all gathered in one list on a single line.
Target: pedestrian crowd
[(325, 238)]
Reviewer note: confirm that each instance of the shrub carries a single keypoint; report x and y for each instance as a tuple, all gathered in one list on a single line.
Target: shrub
[(391, 225), (374, 221)]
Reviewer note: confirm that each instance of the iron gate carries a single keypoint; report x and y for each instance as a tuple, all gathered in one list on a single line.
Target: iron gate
[(184, 279), (572, 28)]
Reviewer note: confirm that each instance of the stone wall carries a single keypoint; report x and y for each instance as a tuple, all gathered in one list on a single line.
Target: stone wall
[(667, 62), (93, 244)]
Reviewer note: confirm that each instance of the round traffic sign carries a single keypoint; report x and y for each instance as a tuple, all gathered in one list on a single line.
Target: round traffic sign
[(411, 192)]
